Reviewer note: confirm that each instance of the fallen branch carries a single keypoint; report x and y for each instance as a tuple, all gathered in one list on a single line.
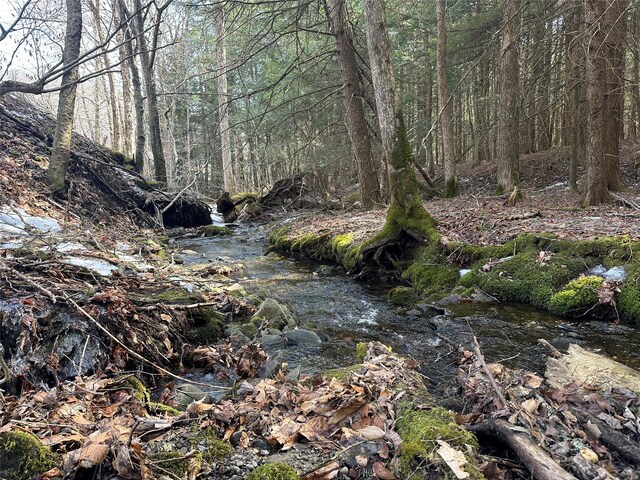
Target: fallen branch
[(494, 385), (534, 458)]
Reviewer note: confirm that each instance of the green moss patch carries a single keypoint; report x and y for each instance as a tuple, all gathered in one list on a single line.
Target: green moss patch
[(420, 431), (173, 463), (629, 297), (273, 471), (577, 297), (23, 456), (523, 278), (213, 449), (208, 325)]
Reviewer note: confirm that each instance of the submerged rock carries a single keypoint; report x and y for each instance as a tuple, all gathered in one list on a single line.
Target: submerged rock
[(271, 367)]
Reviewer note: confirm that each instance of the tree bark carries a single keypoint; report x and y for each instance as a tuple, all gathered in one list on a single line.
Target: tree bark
[(153, 117), (604, 25), (445, 106), (353, 105), (59, 162), (615, 46), (136, 85), (508, 120), (406, 212), (223, 103), (576, 92)]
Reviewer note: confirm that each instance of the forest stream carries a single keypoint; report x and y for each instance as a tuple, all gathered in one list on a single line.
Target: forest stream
[(345, 311)]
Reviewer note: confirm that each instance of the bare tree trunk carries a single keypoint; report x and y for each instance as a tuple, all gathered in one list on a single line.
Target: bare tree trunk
[(615, 48), (576, 92), (94, 6), (445, 105), (223, 103), (406, 212), (59, 162), (125, 114), (354, 108), (153, 117), (605, 26), (508, 123), (136, 85)]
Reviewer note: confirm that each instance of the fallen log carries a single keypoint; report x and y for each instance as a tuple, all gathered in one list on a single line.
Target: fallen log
[(581, 366), (534, 458)]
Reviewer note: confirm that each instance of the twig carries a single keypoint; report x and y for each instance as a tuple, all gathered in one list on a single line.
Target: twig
[(23, 277), (625, 201), (494, 385)]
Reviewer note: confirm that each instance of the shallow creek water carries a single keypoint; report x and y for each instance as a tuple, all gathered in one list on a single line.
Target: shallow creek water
[(346, 311)]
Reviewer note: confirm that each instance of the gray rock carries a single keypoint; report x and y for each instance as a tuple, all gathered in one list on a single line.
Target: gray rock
[(187, 393), (271, 341), (271, 366), (244, 389), (270, 309), (302, 336)]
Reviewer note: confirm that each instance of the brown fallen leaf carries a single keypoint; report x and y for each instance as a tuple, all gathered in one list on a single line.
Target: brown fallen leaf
[(328, 472), (382, 472), (93, 454), (371, 433)]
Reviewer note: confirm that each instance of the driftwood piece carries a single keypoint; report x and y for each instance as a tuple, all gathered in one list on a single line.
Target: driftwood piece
[(534, 458), (582, 366)]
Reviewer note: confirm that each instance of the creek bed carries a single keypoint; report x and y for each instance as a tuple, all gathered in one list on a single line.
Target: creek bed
[(346, 312)]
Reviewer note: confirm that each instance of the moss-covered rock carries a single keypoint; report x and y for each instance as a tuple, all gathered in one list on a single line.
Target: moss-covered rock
[(273, 471), (174, 464), (23, 456), (403, 296), (270, 311), (215, 230), (420, 431), (208, 325), (577, 297)]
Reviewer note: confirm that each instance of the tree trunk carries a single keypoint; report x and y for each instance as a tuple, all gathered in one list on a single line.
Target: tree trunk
[(223, 103), (576, 92), (153, 117), (127, 120), (614, 108), (59, 162), (603, 99), (406, 214), (136, 84), (508, 120), (354, 108), (445, 105)]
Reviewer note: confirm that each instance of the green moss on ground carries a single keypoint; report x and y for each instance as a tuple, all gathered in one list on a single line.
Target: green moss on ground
[(524, 279), (629, 297), (173, 463), (403, 296), (430, 274), (577, 297), (420, 431), (341, 374), (361, 351), (141, 393), (211, 446), (23, 456), (175, 296), (273, 471)]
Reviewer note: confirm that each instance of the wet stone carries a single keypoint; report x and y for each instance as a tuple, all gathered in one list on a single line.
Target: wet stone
[(301, 336)]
